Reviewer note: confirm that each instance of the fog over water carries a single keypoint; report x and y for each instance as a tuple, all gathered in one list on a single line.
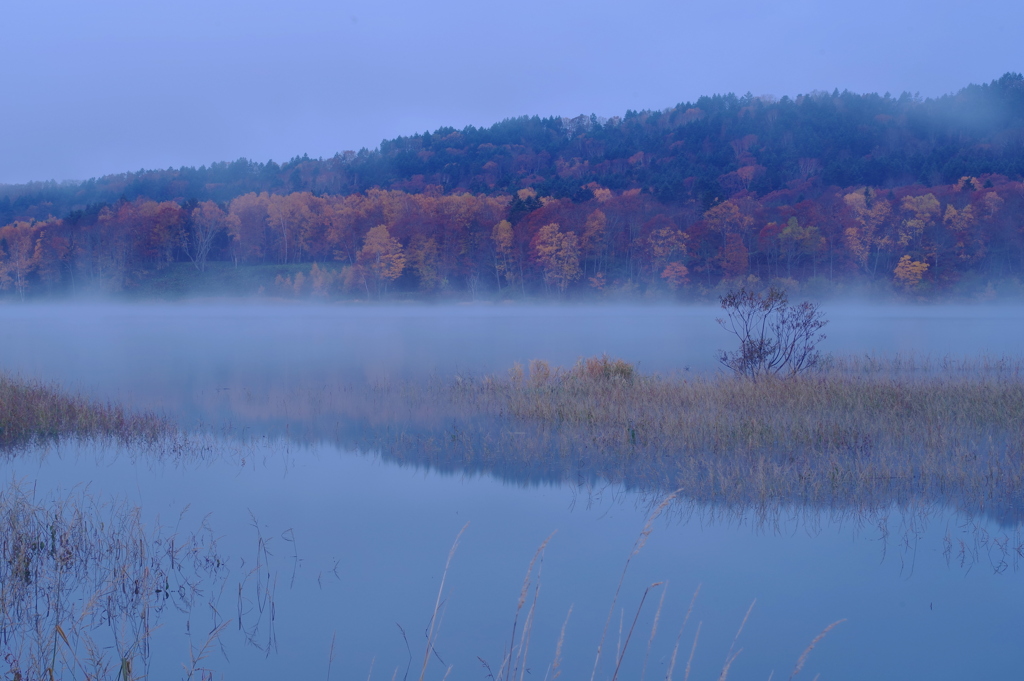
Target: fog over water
[(359, 544), (173, 357)]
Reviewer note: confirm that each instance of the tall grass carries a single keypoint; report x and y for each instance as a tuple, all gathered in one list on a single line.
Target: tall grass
[(610, 668), (858, 432), (32, 412)]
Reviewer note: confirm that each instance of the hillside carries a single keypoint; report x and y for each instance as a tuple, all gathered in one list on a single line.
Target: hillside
[(829, 188)]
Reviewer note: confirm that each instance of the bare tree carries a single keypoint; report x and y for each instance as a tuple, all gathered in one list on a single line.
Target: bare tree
[(776, 338), (208, 223)]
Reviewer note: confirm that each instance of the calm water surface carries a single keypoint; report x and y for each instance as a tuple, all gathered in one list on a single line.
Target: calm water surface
[(357, 545)]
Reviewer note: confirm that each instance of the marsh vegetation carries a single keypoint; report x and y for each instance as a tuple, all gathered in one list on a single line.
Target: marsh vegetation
[(83, 584), (857, 432), (32, 412)]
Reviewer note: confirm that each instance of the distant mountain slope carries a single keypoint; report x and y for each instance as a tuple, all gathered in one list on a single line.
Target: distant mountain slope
[(705, 150)]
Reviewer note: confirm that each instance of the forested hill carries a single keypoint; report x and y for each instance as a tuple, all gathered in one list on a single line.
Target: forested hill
[(918, 194), (705, 150)]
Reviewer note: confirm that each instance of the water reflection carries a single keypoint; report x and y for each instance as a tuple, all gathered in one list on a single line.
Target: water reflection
[(320, 545)]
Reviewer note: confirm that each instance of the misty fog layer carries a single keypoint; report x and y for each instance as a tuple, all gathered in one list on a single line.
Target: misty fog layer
[(186, 360)]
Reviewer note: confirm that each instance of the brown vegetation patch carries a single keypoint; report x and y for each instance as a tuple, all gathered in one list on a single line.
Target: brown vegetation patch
[(859, 432), (32, 412)]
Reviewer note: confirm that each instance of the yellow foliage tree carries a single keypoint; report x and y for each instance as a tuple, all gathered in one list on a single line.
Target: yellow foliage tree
[(502, 235), (558, 254), (870, 212), (921, 212), (908, 273), (381, 258), (21, 259)]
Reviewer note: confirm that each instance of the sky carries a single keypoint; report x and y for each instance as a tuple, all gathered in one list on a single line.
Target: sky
[(111, 86)]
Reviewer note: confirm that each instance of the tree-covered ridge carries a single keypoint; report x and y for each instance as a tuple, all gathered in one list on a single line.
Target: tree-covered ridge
[(835, 188), (705, 150)]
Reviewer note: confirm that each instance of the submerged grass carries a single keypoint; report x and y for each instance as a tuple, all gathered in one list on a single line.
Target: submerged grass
[(32, 412)]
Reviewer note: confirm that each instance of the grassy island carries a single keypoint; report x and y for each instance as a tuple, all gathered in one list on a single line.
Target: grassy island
[(853, 432)]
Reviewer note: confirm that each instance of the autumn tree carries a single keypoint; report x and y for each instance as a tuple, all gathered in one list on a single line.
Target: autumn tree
[(666, 245), (676, 275), (908, 273), (798, 240), (920, 213), (54, 253), (593, 244), (249, 229), (286, 216), (869, 212), (424, 255), (20, 258), (731, 224), (381, 259), (557, 253), (501, 236)]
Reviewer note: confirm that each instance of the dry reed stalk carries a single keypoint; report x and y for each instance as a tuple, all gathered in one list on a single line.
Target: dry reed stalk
[(693, 650), (437, 605), (519, 606), (330, 655), (524, 639), (195, 657), (817, 639), (730, 656), (556, 664), (654, 631), (629, 635), (679, 636), (638, 545)]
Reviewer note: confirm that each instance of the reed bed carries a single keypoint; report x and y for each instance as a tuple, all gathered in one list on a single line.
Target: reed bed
[(83, 584), (857, 432), (32, 412)]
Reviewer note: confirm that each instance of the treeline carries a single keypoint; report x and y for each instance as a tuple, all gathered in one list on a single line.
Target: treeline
[(916, 239)]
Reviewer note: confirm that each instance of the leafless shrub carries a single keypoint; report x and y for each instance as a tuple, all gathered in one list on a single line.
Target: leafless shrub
[(776, 338)]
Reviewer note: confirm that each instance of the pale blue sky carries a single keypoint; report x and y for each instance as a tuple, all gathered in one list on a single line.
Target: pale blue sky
[(114, 85)]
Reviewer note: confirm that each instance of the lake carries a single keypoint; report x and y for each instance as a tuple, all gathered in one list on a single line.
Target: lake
[(333, 557)]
